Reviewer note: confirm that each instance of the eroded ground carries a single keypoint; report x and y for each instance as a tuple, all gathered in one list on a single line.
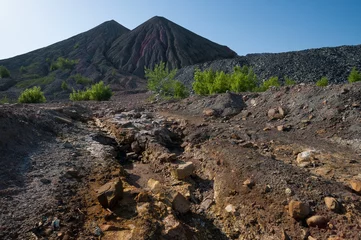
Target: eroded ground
[(251, 166)]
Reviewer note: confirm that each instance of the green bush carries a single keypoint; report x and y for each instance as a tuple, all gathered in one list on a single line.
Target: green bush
[(161, 81), (4, 100), (97, 92), (355, 76), (79, 79), (271, 82), (32, 95), (210, 82), (323, 82), (4, 72), (64, 86), (63, 64), (289, 81)]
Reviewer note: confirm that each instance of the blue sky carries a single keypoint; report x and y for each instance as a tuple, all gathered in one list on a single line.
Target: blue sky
[(246, 26)]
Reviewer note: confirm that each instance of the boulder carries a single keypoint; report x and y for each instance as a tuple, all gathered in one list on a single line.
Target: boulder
[(110, 193), (332, 203), (180, 203), (317, 221), (276, 113), (356, 185), (298, 210), (173, 229), (305, 158), (183, 171)]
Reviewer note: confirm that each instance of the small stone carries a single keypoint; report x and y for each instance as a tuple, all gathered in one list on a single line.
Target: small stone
[(249, 183), (209, 112), (71, 172), (356, 185), (298, 210), (332, 203), (180, 203), (167, 157), (230, 208), (317, 221), (289, 192), (183, 171), (305, 158), (280, 128), (110, 193), (154, 185)]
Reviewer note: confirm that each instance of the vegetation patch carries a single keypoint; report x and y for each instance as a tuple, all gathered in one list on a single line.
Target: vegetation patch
[(79, 79), (161, 81), (97, 92), (63, 64), (32, 95), (37, 81), (355, 76), (323, 82), (4, 72)]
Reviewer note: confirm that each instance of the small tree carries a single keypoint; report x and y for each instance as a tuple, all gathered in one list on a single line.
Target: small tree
[(161, 80), (64, 86), (355, 76), (97, 92), (323, 82), (4, 72), (271, 82), (32, 95)]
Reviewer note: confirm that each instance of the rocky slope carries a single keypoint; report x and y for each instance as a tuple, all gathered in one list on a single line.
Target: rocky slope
[(305, 66), (158, 40)]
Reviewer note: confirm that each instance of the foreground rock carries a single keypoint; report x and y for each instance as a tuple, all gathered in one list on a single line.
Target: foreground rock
[(110, 193), (183, 171), (317, 221), (298, 210)]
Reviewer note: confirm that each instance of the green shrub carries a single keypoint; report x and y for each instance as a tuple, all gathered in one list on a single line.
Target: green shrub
[(97, 92), (271, 82), (161, 81), (63, 64), (32, 95), (355, 76), (4, 100), (323, 82), (79, 79), (4, 72), (289, 81), (64, 86), (37, 81)]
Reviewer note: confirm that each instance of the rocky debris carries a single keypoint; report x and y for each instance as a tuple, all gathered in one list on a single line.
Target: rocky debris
[(332, 204), (305, 158), (180, 203), (317, 221), (183, 171), (154, 185), (209, 112), (289, 192), (230, 208), (276, 113), (298, 210), (110, 193), (249, 183), (173, 229), (356, 185)]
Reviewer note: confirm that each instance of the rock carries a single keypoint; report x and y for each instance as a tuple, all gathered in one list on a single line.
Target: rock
[(167, 157), (154, 185), (249, 183), (173, 229), (356, 185), (183, 171), (110, 193), (311, 238), (71, 172), (332, 203), (276, 113), (107, 227), (143, 208), (135, 147), (230, 208), (305, 158), (289, 192), (280, 128), (180, 203), (209, 112), (334, 238), (317, 221), (298, 210)]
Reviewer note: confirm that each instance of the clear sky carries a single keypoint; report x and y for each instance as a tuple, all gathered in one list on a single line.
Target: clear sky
[(246, 26)]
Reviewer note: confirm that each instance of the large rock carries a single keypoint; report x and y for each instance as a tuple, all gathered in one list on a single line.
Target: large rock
[(356, 185), (305, 158), (173, 229), (317, 221), (332, 203), (298, 210), (180, 203), (110, 193), (183, 171)]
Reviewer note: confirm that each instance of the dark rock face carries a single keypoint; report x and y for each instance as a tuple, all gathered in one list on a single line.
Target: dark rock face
[(303, 66), (159, 39)]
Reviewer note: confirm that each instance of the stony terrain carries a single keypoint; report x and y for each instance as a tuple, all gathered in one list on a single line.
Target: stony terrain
[(305, 66), (283, 164)]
